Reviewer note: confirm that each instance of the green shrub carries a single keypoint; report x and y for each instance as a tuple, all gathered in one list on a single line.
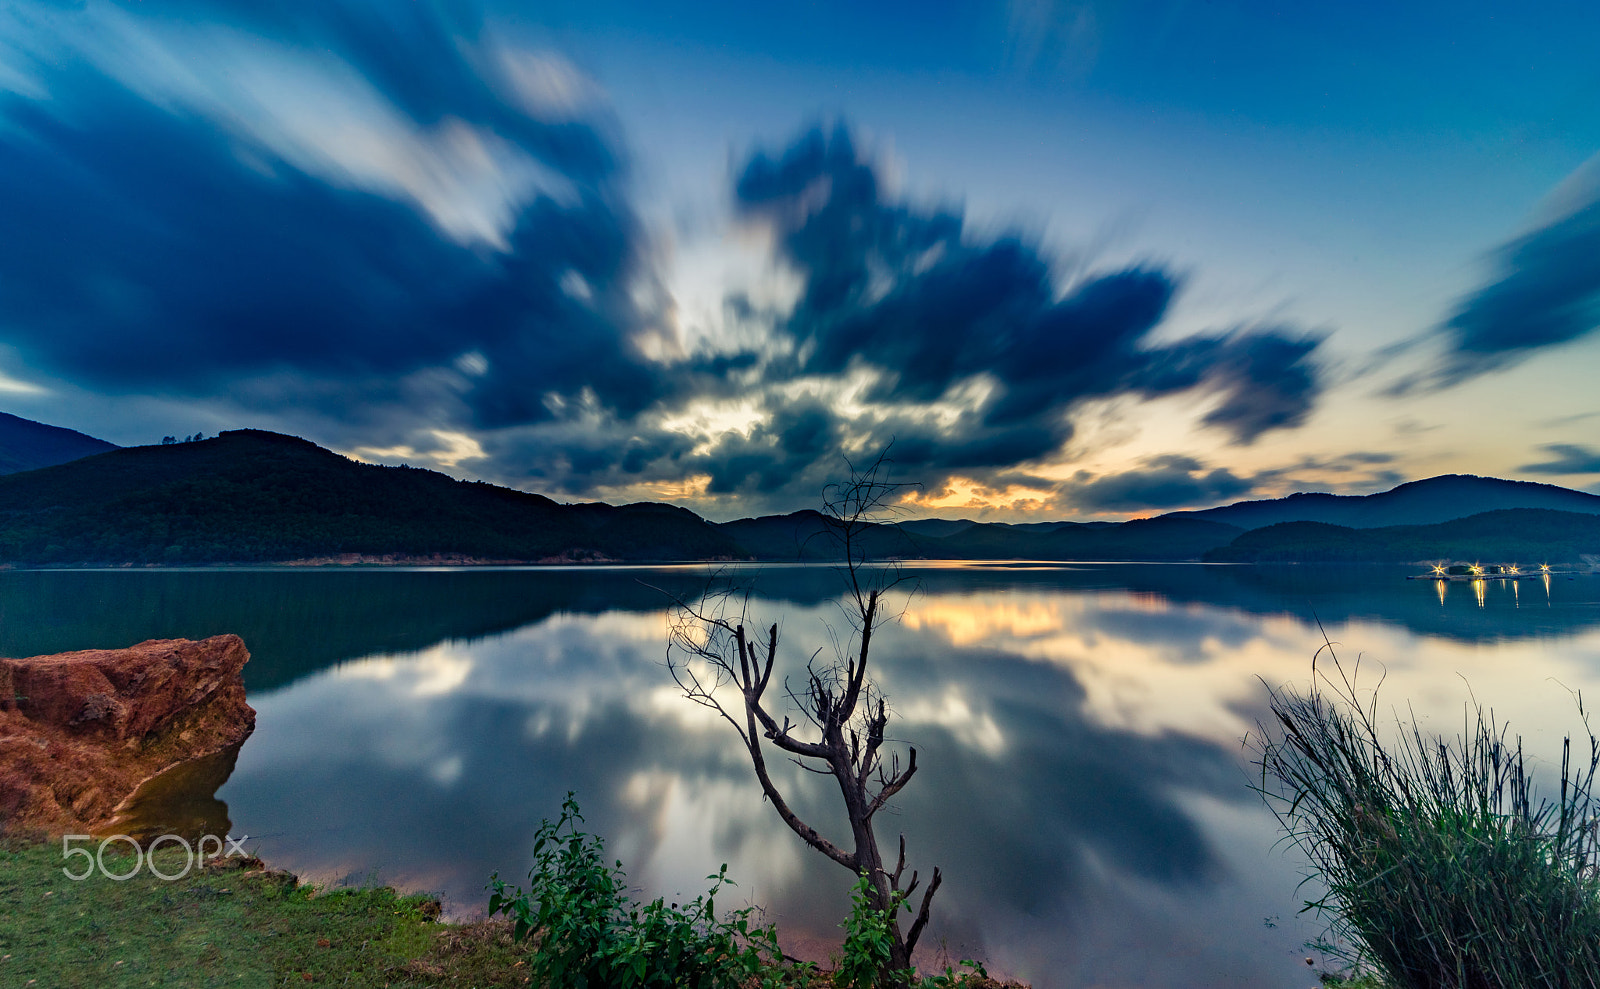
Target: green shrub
[(1443, 868), (867, 942), (864, 957), (593, 936)]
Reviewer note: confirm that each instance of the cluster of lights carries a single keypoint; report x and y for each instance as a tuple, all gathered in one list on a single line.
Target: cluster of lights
[(1477, 569)]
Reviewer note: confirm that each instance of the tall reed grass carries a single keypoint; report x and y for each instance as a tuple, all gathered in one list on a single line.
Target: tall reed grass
[(1444, 867)]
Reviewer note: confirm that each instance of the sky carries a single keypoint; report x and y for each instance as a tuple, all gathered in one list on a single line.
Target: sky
[(1064, 259)]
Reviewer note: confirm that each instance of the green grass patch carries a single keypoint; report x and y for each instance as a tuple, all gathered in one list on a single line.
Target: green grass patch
[(216, 928), (238, 924)]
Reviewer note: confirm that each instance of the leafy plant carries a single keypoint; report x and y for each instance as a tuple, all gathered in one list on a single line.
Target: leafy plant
[(867, 941), (591, 935), (950, 978), (864, 961)]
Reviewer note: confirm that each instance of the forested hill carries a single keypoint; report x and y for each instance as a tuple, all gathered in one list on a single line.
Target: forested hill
[(29, 445), (805, 536), (1527, 536), (1426, 502), (253, 496), (256, 497)]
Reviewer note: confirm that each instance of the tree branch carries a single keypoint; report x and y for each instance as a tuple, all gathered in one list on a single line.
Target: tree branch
[(894, 785), (922, 913), (807, 833)]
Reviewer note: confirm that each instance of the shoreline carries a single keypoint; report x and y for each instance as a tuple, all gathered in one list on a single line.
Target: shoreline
[(398, 562)]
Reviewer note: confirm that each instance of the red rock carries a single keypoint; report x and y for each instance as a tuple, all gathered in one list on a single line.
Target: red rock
[(80, 730)]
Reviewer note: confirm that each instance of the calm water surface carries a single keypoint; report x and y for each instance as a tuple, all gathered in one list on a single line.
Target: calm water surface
[(1083, 782)]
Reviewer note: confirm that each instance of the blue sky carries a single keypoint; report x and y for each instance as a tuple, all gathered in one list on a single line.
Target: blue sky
[(1075, 259)]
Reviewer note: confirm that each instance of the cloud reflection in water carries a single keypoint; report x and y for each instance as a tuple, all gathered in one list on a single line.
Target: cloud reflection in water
[(432, 769), (1082, 784)]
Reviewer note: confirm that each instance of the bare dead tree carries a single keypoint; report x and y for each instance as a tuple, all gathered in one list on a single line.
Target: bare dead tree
[(713, 656)]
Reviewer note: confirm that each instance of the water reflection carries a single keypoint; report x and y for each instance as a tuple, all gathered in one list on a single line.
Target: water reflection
[(299, 621), (180, 801), (433, 769), (1083, 785)]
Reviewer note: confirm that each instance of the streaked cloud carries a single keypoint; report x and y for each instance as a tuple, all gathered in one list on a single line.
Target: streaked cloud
[(1543, 290), (322, 205), (411, 233), (1166, 481), (1570, 458)]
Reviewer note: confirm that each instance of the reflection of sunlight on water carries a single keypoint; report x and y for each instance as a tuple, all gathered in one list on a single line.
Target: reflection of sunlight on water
[(1198, 674), (967, 621), (1147, 601), (1182, 677)]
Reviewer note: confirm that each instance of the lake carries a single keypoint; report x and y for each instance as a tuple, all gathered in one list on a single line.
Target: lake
[(1082, 785)]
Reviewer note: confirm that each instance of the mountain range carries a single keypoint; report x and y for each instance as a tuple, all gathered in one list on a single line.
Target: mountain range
[(255, 496), (29, 445), (1428, 502)]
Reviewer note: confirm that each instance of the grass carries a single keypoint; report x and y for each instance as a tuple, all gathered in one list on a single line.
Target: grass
[(226, 928), (249, 927), (1444, 868)]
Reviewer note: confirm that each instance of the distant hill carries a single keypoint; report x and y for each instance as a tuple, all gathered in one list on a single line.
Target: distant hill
[(804, 536), (254, 496), (1426, 502), (250, 495), (938, 528), (1528, 536), (29, 445)]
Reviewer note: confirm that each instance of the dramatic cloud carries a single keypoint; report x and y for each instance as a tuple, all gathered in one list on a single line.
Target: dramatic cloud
[(315, 194), (409, 233), (1163, 482), (1570, 459), (1545, 289), (917, 296), (906, 328), (1173, 481)]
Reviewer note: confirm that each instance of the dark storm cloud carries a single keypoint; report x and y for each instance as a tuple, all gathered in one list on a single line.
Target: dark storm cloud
[(1163, 482), (1267, 380), (915, 293), (1570, 458), (385, 226), (973, 360), (153, 248), (1544, 291)]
